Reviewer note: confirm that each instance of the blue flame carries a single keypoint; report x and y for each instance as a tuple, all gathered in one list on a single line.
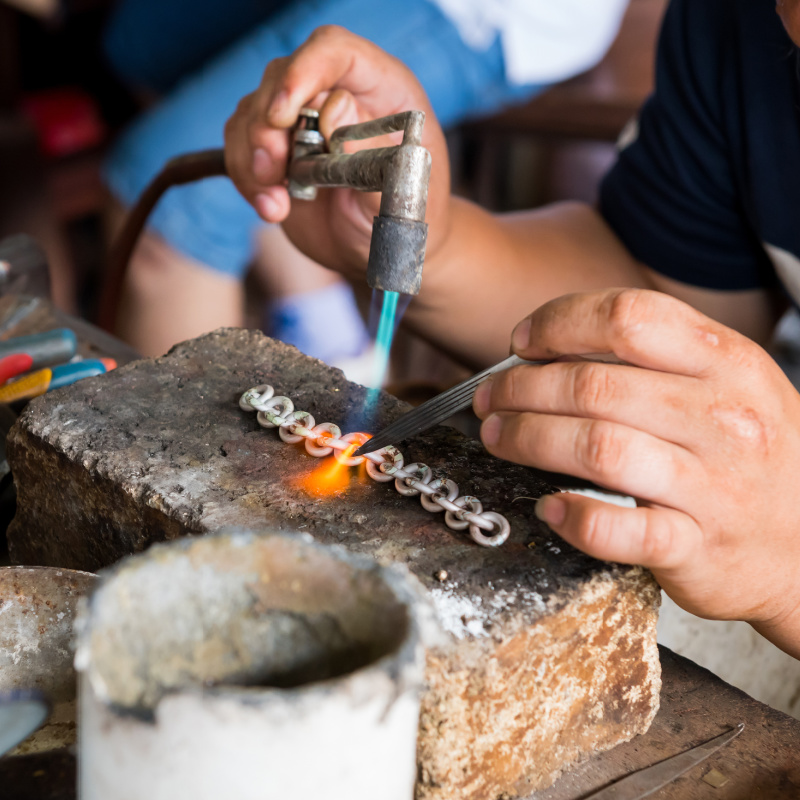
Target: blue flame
[(387, 324)]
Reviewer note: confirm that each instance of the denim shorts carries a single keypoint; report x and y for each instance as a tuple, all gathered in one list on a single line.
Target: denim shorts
[(209, 221)]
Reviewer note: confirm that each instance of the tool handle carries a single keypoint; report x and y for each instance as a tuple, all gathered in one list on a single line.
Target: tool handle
[(45, 380), (13, 365), (27, 387), (67, 374), (51, 347)]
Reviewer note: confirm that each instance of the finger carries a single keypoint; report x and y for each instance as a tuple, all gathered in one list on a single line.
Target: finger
[(623, 394), (338, 109), (657, 538), (256, 154), (238, 155), (273, 204), (253, 169), (267, 152), (609, 454), (645, 328), (335, 58)]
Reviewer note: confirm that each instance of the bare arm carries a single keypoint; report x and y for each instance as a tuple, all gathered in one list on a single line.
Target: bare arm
[(493, 269)]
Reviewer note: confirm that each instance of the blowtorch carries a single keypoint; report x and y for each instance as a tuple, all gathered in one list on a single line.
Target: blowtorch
[(400, 173)]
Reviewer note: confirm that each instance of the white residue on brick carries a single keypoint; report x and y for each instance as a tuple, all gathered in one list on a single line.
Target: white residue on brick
[(458, 614), (463, 616)]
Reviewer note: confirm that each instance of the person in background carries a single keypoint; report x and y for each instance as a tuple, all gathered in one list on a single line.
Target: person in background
[(186, 277), (698, 225)]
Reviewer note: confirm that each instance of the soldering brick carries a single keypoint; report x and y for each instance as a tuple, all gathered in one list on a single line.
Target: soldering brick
[(548, 655)]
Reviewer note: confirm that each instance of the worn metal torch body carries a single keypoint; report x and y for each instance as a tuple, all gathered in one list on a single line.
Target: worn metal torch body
[(400, 173)]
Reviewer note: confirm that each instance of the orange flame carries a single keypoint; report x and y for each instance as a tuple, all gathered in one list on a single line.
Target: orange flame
[(331, 478)]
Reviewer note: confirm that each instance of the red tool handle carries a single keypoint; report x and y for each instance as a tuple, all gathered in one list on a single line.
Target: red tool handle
[(14, 365)]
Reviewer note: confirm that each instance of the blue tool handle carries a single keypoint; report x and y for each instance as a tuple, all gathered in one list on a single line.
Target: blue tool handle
[(65, 374), (46, 349)]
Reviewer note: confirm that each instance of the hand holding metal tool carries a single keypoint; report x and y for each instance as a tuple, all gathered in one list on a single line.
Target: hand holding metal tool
[(401, 173), (437, 409)]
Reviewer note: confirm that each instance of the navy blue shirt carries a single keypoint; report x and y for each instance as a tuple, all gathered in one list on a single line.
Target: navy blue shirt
[(708, 193)]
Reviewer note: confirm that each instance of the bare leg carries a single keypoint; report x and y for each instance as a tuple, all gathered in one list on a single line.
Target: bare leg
[(309, 306), (169, 297), (283, 270)]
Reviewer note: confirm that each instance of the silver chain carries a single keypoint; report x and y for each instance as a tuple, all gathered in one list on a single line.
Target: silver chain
[(487, 528)]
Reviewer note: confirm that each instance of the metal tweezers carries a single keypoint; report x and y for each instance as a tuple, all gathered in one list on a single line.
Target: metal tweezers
[(437, 409)]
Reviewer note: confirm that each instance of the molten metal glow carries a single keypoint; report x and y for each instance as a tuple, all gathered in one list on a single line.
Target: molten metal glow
[(330, 478)]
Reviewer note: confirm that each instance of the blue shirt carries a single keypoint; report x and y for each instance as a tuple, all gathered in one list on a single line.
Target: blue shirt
[(708, 192)]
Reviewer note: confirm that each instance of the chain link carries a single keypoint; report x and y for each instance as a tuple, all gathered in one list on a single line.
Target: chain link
[(487, 528)]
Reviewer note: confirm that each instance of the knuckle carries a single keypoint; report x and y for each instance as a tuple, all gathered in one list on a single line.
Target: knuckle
[(513, 389), (244, 107), (743, 424), (600, 449), (519, 441), (275, 68), (628, 310), (595, 529), (239, 114), (594, 389), (328, 34), (254, 130), (747, 355), (657, 543)]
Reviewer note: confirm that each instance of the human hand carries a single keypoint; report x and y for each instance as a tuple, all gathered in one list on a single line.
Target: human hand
[(699, 424), (350, 80)]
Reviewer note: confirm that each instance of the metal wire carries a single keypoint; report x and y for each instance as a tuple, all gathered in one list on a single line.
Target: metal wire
[(486, 528)]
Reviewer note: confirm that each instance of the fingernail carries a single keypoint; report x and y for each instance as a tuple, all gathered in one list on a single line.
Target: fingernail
[(266, 205), (480, 401), (551, 509), (262, 163), (490, 430), (521, 337)]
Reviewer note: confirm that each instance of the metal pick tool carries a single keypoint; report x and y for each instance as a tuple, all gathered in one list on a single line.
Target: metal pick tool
[(646, 781), (437, 409)]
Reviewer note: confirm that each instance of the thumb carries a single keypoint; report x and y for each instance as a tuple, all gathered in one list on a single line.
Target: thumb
[(338, 109)]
